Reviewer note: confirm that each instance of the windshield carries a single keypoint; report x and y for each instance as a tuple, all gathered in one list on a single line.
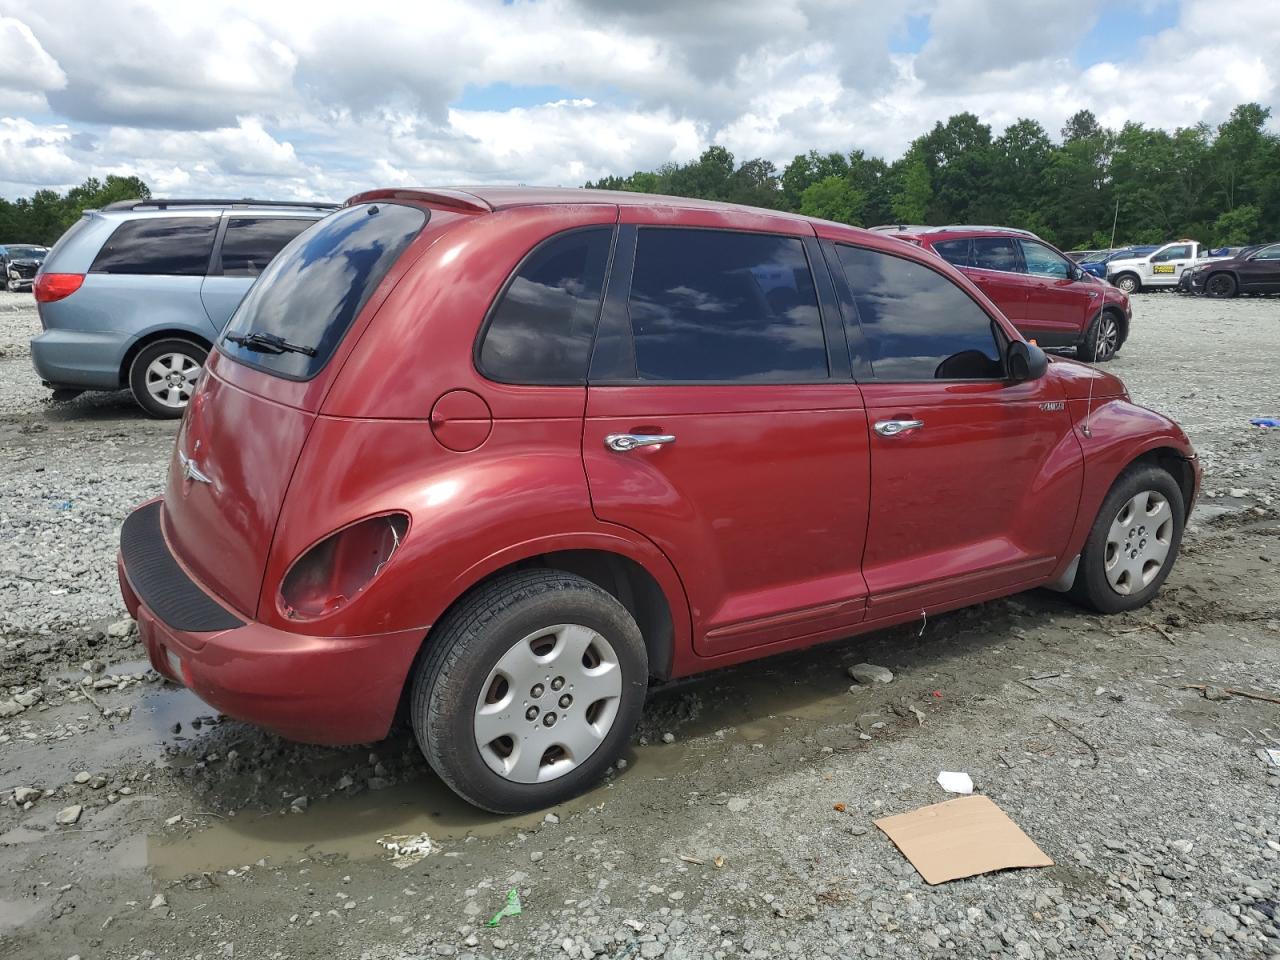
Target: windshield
[(312, 291), (26, 253)]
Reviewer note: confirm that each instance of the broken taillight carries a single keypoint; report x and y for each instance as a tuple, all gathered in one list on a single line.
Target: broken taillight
[(337, 568)]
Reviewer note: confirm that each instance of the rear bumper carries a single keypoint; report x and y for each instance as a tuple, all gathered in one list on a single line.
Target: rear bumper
[(73, 358), (331, 690)]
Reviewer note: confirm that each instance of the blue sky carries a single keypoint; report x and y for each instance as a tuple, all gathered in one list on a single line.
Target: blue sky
[(295, 99)]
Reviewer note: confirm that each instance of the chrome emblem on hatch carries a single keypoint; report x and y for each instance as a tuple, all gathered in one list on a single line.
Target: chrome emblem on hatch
[(191, 470), (1051, 405)]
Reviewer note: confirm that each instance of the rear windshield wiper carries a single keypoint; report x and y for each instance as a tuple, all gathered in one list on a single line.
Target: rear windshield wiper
[(269, 343)]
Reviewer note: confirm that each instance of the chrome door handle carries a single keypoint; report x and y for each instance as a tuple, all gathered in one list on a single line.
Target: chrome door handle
[(622, 442), (891, 428)]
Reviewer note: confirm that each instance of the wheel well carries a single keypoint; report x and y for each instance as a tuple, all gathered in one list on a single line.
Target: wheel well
[(1176, 465), (143, 342)]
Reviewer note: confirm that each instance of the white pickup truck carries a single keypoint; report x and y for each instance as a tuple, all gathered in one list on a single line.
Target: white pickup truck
[(1160, 268)]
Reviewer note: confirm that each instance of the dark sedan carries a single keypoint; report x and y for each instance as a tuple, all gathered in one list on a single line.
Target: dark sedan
[(1252, 270)]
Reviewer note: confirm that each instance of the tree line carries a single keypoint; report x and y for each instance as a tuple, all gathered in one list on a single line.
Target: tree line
[(46, 214), (1218, 185)]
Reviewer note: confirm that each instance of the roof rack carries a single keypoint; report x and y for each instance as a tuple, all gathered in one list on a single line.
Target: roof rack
[(164, 203), (900, 228)]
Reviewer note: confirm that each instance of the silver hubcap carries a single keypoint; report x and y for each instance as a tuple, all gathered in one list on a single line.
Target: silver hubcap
[(548, 704), (1138, 543), (171, 378), (1108, 339), (1127, 284)]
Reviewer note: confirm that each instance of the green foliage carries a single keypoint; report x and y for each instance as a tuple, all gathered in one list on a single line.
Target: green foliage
[(833, 198), (1220, 186), (42, 217)]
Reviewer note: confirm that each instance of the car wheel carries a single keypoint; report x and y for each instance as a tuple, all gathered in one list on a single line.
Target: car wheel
[(1103, 339), (12, 285), (1133, 543), (529, 690), (1128, 282), (1220, 285), (163, 376)]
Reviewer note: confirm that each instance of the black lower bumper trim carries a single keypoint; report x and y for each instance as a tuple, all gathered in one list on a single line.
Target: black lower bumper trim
[(161, 583)]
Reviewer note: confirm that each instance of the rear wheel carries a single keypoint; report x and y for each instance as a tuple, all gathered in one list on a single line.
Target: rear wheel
[(1128, 282), (529, 690), (1134, 541), (1220, 285), (163, 376), (1103, 339)]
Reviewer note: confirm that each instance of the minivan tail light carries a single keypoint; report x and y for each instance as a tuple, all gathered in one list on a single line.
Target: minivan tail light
[(56, 286), (337, 568)]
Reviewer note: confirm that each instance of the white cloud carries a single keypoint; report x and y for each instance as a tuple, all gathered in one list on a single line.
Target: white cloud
[(297, 99)]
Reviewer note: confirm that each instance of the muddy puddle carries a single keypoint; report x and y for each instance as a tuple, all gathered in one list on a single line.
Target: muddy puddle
[(709, 716)]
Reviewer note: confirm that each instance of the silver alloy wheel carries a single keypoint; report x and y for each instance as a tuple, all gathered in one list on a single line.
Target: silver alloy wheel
[(548, 703), (171, 379), (1138, 543), (1108, 340), (1127, 284)]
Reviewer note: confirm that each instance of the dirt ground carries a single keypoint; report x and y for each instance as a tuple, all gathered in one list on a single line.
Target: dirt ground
[(199, 836)]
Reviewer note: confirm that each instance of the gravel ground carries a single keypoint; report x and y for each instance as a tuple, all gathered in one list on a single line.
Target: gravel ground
[(196, 836)]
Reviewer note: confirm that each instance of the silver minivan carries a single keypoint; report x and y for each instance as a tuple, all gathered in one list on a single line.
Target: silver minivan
[(133, 295)]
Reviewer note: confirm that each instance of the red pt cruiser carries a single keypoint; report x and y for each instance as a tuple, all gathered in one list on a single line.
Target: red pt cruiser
[(502, 456)]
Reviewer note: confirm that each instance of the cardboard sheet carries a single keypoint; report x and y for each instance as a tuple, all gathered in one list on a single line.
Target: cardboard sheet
[(961, 838)]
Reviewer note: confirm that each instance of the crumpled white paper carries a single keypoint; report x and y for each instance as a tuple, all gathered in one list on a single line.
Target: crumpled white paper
[(953, 782), (407, 849)]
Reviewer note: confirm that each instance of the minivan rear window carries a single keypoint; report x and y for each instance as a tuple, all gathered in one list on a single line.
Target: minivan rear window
[(308, 297)]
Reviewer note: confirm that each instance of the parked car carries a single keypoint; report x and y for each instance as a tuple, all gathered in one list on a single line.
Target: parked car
[(1098, 266), (1253, 270), (1048, 297), (504, 455), (19, 263), (1163, 267), (134, 295), (1079, 256)]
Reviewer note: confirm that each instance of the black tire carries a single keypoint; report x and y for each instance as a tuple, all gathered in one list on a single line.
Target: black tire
[(141, 374), (1128, 282), (1091, 587), (1103, 339), (465, 647), (1220, 285)]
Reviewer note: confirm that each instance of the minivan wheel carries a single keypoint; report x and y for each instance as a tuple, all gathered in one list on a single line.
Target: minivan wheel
[(1133, 543), (529, 690), (1220, 285), (1103, 339), (1128, 283), (163, 376)]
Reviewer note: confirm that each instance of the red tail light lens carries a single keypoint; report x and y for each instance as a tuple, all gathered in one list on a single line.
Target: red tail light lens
[(56, 286), (337, 568)]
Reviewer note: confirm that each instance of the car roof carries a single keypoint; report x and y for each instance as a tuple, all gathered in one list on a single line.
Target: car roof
[(197, 206), (490, 198)]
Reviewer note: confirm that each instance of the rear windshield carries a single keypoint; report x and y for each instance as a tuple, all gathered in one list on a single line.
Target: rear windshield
[(313, 290)]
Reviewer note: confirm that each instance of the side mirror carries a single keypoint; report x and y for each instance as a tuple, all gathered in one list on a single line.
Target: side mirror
[(1026, 361)]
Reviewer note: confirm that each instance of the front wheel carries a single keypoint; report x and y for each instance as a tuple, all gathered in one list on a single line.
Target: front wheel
[(1103, 339), (163, 376), (1128, 282), (529, 690), (1220, 285), (1133, 543)]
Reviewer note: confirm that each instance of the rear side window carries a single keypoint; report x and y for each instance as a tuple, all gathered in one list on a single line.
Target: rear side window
[(996, 253), (954, 251), (311, 293), (711, 305), (173, 246), (918, 324), (250, 243), (540, 331)]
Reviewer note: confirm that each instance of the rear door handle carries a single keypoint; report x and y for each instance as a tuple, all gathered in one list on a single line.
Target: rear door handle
[(891, 428), (622, 442)]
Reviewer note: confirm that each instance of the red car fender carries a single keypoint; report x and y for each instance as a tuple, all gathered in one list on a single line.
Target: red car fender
[(1113, 433)]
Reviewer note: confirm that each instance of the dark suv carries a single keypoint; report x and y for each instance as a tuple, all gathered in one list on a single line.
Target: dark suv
[(498, 457), (1049, 297)]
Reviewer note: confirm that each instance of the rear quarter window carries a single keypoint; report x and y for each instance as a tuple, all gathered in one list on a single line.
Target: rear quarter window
[(314, 288), (171, 246), (250, 243)]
